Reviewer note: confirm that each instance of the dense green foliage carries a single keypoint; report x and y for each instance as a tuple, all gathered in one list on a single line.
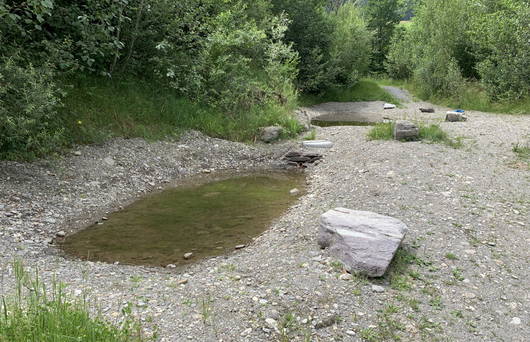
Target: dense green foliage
[(455, 40), (38, 314), (383, 16), (234, 59)]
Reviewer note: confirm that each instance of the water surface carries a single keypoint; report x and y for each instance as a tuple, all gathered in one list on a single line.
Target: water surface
[(208, 219)]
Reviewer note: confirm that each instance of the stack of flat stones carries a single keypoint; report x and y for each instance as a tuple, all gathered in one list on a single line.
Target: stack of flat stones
[(300, 159)]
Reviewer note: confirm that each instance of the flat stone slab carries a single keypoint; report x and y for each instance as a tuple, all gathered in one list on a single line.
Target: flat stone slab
[(364, 241)]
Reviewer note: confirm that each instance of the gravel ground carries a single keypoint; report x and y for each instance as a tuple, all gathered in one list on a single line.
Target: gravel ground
[(462, 274)]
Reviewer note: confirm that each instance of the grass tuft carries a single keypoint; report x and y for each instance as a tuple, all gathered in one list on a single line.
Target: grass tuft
[(35, 313), (523, 152), (97, 109), (429, 134)]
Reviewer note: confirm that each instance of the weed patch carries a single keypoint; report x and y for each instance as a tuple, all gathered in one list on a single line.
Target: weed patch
[(36, 313), (427, 133)]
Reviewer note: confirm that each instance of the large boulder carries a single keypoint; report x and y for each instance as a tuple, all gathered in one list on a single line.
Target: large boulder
[(406, 130), (270, 134), (364, 241)]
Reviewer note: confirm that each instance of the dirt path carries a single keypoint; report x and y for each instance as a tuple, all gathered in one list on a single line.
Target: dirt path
[(463, 274)]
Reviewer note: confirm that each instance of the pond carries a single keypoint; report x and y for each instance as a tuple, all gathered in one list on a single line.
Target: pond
[(207, 219)]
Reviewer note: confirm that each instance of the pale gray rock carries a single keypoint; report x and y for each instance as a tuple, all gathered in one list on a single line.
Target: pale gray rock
[(455, 117), (406, 130), (378, 289), (364, 241), (109, 161), (270, 134)]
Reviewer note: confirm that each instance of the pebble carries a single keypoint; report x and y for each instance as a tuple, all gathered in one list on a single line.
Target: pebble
[(345, 276), (77, 153), (515, 321), (294, 191), (240, 246), (61, 234), (350, 332), (182, 281), (188, 255), (378, 289)]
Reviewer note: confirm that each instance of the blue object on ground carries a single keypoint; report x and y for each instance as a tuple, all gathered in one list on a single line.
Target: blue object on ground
[(459, 110)]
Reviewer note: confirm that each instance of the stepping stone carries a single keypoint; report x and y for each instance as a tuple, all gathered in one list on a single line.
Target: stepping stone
[(363, 241), (406, 130)]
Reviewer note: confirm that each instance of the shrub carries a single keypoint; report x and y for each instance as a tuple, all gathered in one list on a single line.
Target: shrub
[(28, 103), (350, 44)]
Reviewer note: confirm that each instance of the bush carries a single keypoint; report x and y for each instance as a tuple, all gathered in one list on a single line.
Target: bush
[(350, 44), (28, 103), (310, 33), (503, 50)]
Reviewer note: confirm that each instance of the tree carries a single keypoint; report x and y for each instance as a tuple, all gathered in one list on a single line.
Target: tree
[(383, 16)]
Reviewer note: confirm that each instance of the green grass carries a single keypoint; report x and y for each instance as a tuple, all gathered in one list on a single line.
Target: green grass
[(97, 109), (382, 131), (523, 152), (473, 97), (37, 314), (428, 133), (364, 90)]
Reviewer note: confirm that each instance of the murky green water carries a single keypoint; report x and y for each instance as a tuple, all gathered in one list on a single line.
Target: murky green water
[(207, 220), (326, 123)]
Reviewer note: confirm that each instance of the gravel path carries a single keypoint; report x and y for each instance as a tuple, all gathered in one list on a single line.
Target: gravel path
[(463, 272)]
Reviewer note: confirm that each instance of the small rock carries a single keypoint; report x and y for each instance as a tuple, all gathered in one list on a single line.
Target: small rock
[(270, 134), (378, 289), (350, 332), (406, 130), (455, 117), (427, 110), (171, 266), (77, 153), (60, 234), (345, 276), (188, 255), (294, 191), (515, 321), (109, 161), (271, 322), (240, 246), (182, 281), (389, 106)]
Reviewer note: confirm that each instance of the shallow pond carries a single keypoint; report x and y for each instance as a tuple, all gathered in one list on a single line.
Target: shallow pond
[(207, 219), (329, 123)]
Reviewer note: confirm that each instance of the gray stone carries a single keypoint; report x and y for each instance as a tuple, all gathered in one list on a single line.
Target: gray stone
[(270, 134), (406, 130), (427, 110), (77, 153), (378, 289), (109, 161), (188, 255), (61, 234), (363, 241), (294, 191), (455, 117)]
